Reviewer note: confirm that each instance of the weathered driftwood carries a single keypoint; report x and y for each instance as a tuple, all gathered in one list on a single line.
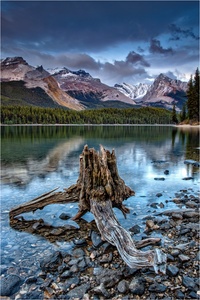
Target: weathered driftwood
[(98, 189)]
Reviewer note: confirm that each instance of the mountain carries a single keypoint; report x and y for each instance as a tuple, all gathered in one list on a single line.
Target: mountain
[(28, 85), (165, 92), (135, 92), (60, 87), (88, 90)]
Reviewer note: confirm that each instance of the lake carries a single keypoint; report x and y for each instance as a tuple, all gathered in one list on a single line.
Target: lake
[(37, 159)]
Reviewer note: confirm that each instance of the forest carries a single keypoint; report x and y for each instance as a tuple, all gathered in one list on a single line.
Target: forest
[(37, 115)]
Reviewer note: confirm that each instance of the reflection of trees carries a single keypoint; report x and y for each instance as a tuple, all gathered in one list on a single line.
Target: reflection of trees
[(23, 173)]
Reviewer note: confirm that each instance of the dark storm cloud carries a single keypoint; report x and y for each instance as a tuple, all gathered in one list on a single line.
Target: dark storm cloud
[(155, 47), (178, 33), (87, 25), (135, 58)]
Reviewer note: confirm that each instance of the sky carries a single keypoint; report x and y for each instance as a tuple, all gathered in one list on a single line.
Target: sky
[(116, 41)]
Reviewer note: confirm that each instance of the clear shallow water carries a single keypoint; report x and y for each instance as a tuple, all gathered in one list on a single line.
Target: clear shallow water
[(37, 159)]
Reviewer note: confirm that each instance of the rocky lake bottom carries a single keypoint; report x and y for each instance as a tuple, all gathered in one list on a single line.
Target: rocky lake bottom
[(91, 269)]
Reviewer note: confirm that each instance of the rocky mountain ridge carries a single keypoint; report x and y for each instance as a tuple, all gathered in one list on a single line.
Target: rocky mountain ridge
[(78, 90), (164, 92), (135, 92), (71, 89)]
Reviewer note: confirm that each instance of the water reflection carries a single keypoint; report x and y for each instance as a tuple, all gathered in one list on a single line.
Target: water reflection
[(37, 159), (35, 151)]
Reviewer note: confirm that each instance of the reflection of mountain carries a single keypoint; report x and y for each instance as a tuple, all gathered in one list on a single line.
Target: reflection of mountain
[(23, 173), (35, 151)]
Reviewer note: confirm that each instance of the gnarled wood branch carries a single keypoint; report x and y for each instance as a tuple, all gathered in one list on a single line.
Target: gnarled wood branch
[(98, 189)]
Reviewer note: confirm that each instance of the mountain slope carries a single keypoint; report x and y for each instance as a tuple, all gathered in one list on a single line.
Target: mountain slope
[(16, 93), (82, 86), (166, 92), (135, 92), (16, 69)]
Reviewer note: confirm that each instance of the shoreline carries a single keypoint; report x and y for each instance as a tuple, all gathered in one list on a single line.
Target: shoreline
[(94, 269), (153, 125)]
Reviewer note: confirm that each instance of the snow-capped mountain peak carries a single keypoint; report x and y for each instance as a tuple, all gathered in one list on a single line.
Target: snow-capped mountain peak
[(135, 92)]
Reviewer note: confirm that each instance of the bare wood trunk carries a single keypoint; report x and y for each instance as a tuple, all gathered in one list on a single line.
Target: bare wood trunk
[(116, 235), (98, 189)]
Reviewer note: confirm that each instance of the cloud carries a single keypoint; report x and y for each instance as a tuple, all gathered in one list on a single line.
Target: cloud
[(178, 33), (135, 58), (155, 47)]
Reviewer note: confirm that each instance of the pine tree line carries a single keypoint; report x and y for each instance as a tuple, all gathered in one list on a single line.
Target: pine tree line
[(190, 111), (38, 115)]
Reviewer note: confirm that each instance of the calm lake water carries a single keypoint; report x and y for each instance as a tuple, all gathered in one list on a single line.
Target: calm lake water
[(37, 159)]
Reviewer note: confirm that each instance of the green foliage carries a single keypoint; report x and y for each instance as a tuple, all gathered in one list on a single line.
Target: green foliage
[(174, 116), (16, 93), (37, 115), (193, 97), (183, 114)]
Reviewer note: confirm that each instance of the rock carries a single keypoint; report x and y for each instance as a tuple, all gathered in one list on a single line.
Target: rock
[(37, 226), (31, 279), (64, 216), (190, 214), (157, 288), (166, 172), (189, 283), (154, 205), (109, 277), (32, 295), (188, 178), (193, 295), (79, 291), (123, 286), (107, 257), (159, 195), (191, 204), (179, 295), (198, 256), (10, 285), (96, 239), (184, 258), (172, 270), (69, 282), (135, 229), (52, 262), (57, 231), (66, 274), (137, 286), (78, 253), (177, 216), (79, 242), (100, 290), (74, 261), (161, 205), (150, 225)]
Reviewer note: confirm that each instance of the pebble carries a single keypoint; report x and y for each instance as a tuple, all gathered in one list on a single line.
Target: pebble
[(137, 286), (93, 270)]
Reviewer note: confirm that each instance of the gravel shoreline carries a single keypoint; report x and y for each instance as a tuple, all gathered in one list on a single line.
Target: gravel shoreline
[(94, 270)]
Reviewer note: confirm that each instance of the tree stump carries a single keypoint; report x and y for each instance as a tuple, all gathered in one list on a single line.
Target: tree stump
[(99, 188)]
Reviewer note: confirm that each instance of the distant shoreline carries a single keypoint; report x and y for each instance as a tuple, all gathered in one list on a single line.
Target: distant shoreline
[(153, 125)]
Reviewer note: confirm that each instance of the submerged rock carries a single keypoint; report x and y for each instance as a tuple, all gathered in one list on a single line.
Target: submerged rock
[(10, 284)]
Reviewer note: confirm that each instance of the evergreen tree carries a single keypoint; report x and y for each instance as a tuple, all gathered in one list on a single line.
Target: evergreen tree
[(183, 114), (193, 97), (174, 116), (196, 95)]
